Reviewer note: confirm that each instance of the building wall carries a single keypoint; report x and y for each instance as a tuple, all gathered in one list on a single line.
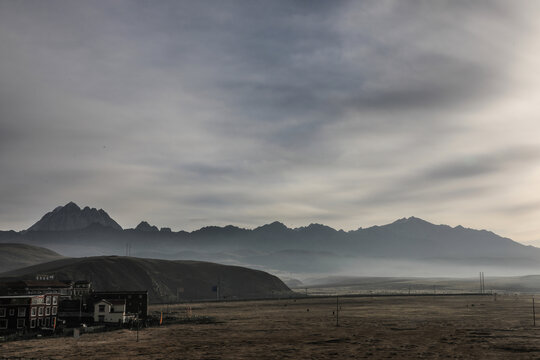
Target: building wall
[(28, 313), (105, 312), (136, 301)]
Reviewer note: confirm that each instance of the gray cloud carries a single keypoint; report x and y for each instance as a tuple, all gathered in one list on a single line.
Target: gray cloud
[(251, 111)]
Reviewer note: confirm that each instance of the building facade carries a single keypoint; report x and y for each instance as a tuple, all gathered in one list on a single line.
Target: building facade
[(111, 311), (23, 313)]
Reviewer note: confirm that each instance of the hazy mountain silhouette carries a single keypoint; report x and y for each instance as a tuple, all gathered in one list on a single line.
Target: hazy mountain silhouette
[(72, 217), (407, 246), (144, 226)]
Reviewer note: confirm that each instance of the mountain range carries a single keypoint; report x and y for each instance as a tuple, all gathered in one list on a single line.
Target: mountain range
[(408, 246)]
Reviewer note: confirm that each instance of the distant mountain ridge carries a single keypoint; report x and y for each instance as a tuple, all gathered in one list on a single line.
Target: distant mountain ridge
[(395, 248), (72, 217)]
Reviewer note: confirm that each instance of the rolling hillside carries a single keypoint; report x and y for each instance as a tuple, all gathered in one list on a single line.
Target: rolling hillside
[(15, 256), (165, 280)]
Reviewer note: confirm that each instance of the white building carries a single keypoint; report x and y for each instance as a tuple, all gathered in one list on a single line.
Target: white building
[(111, 311)]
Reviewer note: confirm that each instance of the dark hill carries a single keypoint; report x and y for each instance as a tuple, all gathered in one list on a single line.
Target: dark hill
[(72, 217), (15, 256), (165, 280)]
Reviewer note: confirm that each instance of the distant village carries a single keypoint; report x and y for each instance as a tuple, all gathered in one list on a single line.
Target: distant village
[(46, 306)]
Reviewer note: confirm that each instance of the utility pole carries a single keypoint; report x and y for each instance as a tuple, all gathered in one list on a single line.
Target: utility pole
[(534, 314), (481, 291), (337, 310), (138, 320)]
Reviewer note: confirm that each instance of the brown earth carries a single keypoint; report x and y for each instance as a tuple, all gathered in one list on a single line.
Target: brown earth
[(429, 327)]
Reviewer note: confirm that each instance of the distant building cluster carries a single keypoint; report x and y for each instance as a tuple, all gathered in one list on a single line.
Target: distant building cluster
[(45, 304)]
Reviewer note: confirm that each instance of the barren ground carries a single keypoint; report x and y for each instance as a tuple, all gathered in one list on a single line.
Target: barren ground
[(462, 327)]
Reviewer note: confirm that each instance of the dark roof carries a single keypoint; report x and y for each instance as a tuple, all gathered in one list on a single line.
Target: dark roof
[(37, 284), (122, 292), (114, 301)]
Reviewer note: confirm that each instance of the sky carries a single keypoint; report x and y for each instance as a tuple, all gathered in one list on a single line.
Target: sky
[(345, 113)]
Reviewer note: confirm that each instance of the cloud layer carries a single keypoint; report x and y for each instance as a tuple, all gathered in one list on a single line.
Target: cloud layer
[(346, 113)]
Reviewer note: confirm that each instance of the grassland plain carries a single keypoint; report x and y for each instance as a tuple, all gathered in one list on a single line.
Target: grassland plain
[(415, 327)]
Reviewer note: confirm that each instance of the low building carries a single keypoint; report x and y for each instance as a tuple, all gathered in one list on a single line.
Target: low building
[(136, 301), (111, 311), (72, 313), (23, 313)]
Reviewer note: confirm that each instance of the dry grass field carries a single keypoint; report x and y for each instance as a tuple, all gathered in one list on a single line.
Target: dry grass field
[(429, 327)]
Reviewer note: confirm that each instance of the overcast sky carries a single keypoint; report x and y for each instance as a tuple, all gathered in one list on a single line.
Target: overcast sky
[(346, 113)]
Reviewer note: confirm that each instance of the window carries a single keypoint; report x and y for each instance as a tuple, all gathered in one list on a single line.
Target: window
[(39, 322), (101, 318), (33, 311), (54, 310), (20, 323), (40, 311), (11, 312), (48, 311), (3, 323), (101, 308), (2, 312), (33, 323), (55, 300), (47, 322), (22, 312), (47, 300)]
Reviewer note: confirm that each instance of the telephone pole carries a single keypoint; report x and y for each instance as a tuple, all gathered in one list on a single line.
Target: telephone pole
[(337, 310)]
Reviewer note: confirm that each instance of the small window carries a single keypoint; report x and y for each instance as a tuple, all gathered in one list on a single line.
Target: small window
[(47, 300), (33, 323), (33, 311), (3, 323), (48, 311), (47, 322), (101, 318), (40, 311), (101, 308), (2, 312), (22, 312), (39, 322), (54, 310), (55, 300), (11, 312), (20, 323)]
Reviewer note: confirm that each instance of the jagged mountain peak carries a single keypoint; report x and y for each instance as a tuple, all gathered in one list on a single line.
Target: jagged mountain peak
[(411, 220), (276, 225), (145, 226), (72, 217)]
